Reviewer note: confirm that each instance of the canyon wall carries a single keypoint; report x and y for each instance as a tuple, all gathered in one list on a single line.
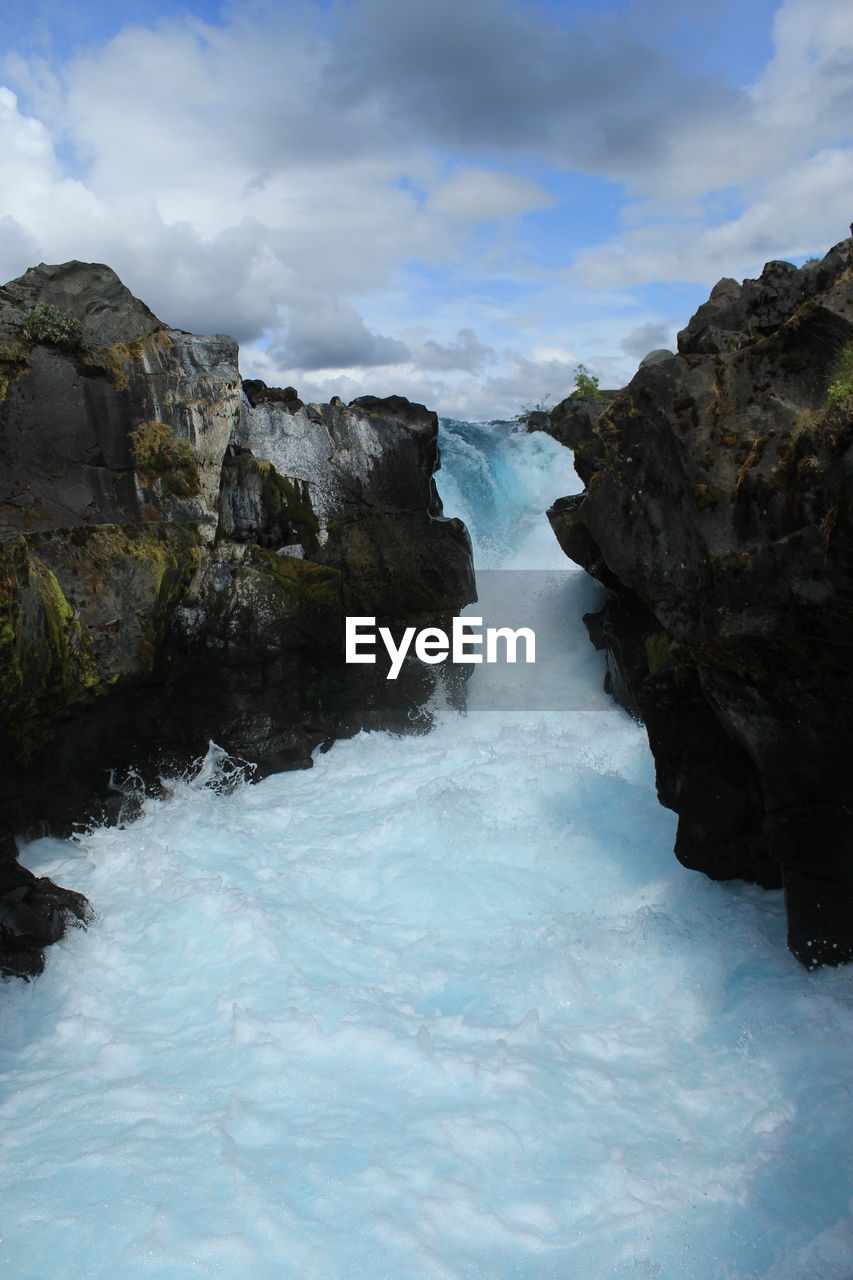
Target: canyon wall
[(717, 511)]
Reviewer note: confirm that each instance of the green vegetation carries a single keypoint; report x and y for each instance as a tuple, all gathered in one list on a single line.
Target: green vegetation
[(161, 456), (289, 501), (52, 661), (819, 435), (45, 666), (841, 386), (50, 324), (542, 405), (14, 360), (104, 362), (586, 385), (661, 651)]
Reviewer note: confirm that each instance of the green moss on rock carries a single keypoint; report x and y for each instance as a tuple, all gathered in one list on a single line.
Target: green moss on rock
[(55, 656), (288, 501), (46, 666), (841, 386), (662, 651), (315, 585), (115, 363), (105, 362), (163, 458), (14, 361)]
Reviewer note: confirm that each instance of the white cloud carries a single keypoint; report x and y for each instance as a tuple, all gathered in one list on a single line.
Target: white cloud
[(653, 336), (35, 193), (480, 195), (803, 210), (807, 88), (466, 352)]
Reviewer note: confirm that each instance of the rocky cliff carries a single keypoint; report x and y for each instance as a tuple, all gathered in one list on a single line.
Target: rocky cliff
[(717, 511), (178, 550)]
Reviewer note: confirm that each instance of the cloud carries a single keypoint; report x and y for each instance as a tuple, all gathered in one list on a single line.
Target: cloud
[(647, 337), (330, 334), (805, 207), (467, 352), (513, 79), (516, 382), (478, 195)]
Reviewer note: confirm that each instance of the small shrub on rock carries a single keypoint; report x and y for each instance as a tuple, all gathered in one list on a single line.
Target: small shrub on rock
[(841, 387), (50, 324), (162, 456), (586, 384)]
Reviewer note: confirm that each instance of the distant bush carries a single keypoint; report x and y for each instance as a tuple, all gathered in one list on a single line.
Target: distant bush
[(542, 405), (53, 325), (586, 384)]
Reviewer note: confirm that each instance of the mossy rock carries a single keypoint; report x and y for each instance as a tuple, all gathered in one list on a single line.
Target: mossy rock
[(272, 604), (662, 651), (14, 361), (46, 666), (115, 363), (316, 587), (103, 362), (288, 501), (54, 657), (165, 459)]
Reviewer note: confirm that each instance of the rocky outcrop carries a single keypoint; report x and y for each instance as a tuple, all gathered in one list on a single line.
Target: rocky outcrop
[(717, 511), (574, 417), (355, 484), (178, 551)]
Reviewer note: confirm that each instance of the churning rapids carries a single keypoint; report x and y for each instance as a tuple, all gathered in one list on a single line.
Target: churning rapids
[(439, 1008)]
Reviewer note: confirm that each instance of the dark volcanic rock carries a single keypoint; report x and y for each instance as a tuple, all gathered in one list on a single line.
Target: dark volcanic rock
[(258, 392), (178, 550), (34, 912), (573, 418), (133, 432), (718, 511)]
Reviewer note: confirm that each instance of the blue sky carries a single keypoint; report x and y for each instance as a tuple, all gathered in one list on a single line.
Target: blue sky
[(455, 200)]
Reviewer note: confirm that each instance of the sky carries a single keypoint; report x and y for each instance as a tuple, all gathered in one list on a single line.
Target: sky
[(454, 200)]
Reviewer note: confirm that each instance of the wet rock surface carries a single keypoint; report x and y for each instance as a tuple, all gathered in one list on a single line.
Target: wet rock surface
[(717, 511)]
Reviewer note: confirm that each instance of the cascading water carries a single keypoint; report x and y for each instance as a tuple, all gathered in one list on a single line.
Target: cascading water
[(441, 1007), (500, 480)]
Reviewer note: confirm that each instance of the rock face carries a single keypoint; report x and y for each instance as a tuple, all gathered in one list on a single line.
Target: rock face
[(717, 511), (358, 484), (178, 551)]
